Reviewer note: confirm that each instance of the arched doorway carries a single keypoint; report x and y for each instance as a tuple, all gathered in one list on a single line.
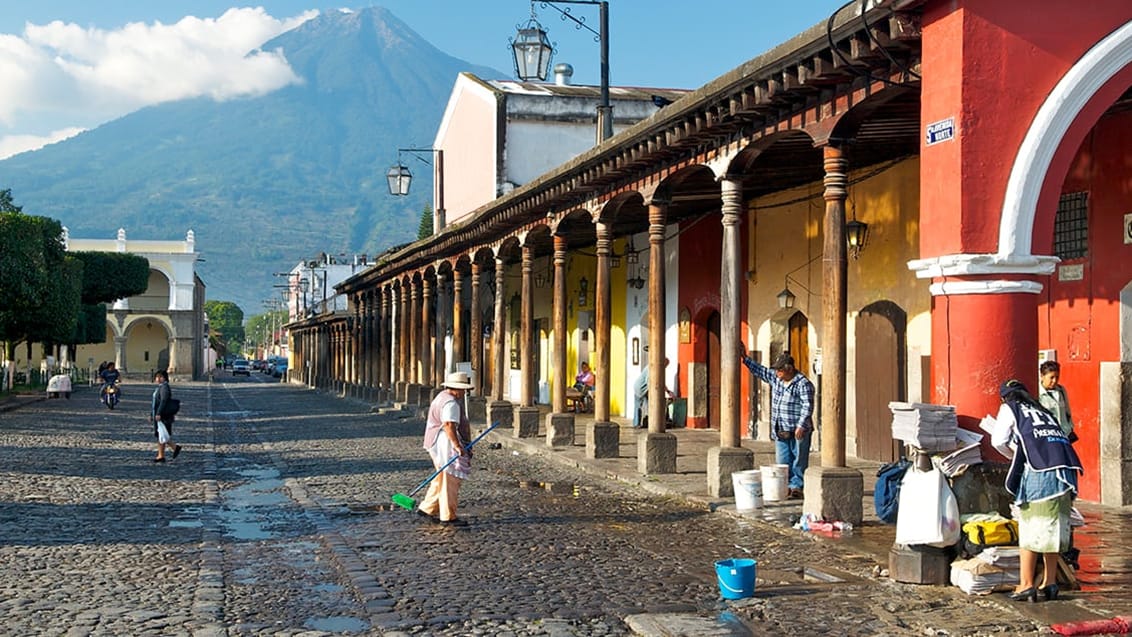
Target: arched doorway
[(881, 363), (713, 358), (798, 342)]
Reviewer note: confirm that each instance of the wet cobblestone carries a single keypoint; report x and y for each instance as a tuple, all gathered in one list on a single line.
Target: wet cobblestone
[(277, 520)]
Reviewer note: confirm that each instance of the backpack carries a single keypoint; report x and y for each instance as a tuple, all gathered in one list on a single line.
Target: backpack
[(172, 406), (979, 534), (886, 494)]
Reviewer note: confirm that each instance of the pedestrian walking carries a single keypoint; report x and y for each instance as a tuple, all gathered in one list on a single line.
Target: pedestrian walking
[(1052, 396), (791, 415), (162, 414), (641, 396), (447, 434), (1043, 479)]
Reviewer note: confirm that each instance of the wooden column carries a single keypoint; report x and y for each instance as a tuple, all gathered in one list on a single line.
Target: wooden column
[(561, 376), (657, 395), (404, 334), (385, 349), (440, 325), (603, 323), (834, 307), (526, 330), (427, 311), (458, 327), (730, 275), (499, 333), (414, 323), (476, 341), (373, 351)]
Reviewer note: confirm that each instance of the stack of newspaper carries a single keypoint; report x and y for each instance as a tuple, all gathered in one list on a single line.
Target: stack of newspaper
[(995, 568), (966, 455), (925, 426)]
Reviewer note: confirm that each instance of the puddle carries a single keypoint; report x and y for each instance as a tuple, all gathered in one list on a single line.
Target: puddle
[(185, 524), (336, 624), (245, 506)]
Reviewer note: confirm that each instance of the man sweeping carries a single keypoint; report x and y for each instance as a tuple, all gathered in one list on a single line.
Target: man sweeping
[(446, 435)]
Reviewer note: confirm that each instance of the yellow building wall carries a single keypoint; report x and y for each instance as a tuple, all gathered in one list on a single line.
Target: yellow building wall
[(785, 239)]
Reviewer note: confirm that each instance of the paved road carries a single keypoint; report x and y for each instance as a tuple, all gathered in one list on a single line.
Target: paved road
[(276, 520)]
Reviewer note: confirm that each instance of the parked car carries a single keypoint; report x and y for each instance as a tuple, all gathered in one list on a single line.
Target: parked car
[(240, 366), (279, 369)]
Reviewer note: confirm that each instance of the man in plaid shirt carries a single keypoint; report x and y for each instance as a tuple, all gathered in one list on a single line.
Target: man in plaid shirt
[(791, 415)]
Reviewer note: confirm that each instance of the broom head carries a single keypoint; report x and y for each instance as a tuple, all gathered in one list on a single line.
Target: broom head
[(404, 501)]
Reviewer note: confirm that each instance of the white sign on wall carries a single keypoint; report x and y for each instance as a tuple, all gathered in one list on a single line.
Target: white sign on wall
[(941, 131)]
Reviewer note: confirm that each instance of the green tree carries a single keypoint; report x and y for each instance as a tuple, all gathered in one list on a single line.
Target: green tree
[(424, 230), (31, 272), (226, 320), (54, 321), (262, 329), (6, 204), (109, 276)]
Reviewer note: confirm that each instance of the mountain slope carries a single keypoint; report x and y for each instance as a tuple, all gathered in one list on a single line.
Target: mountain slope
[(268, 181)]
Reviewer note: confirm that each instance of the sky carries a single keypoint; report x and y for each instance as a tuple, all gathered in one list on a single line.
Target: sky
[(71, 65)]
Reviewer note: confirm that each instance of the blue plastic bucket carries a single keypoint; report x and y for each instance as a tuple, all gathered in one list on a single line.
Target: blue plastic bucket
[(736, 577)]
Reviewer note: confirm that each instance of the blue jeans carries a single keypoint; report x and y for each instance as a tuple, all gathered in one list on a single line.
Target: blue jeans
[(795, 453)]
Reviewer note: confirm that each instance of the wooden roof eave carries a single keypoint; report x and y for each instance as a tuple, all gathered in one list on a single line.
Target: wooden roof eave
[(678, 124)]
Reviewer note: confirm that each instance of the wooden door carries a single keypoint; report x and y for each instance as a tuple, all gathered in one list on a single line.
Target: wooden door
[(713, 369), (799, 346), (879, 379)]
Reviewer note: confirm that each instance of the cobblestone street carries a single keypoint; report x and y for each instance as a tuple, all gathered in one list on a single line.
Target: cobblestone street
[(276, 520)]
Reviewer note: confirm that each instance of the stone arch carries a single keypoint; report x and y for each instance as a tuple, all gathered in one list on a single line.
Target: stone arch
[(1072, 108), (704, 381), (158, 293), (148, 340)]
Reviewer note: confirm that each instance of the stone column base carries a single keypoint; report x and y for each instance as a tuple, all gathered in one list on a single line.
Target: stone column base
[(603, 440), (526, 421), (559, 430), (427, 394), (412, 394), (399, 391), (656, 453), (721, 463), (500, 411), (477, 409), (834, 493)]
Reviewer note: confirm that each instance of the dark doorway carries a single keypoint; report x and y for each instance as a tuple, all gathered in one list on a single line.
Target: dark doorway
[(713, 363)]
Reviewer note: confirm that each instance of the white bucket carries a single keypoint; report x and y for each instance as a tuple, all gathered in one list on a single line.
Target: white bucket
[(775, 479), (748, 487)]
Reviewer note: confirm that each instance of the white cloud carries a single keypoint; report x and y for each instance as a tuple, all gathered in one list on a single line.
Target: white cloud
[(62, 76), (16, 144)]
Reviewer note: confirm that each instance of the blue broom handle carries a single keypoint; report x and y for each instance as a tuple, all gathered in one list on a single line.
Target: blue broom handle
[(453, 459)]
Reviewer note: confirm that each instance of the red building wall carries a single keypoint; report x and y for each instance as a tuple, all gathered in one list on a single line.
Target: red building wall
[(699, 281), (990, 66), (1081, 319)]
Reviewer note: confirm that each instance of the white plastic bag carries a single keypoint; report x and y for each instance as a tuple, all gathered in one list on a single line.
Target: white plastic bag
[(162, 432), (928, 512)]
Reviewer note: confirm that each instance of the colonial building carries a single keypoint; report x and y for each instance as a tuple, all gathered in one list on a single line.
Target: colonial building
[(984, 154), (162, 328)]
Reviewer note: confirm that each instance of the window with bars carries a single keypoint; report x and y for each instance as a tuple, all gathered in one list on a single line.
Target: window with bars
[(1071, 226)]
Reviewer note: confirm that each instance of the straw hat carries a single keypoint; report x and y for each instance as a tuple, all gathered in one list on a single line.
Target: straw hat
[(457, 380)]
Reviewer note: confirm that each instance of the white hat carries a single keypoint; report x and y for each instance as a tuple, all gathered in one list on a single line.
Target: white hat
[(457, 380)]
